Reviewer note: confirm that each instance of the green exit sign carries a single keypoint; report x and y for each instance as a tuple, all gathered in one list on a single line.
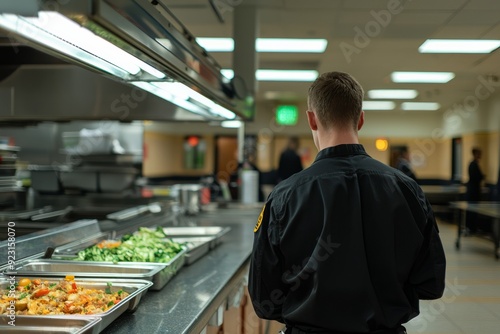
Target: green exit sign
[(287, 115)]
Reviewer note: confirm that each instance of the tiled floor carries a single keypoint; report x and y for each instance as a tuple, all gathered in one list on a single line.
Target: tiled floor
[(471, 302)]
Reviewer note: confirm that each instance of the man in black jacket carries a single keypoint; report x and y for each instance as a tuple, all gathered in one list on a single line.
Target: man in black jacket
[(290, 161), (473, 194), (404, 165), (348, 245)]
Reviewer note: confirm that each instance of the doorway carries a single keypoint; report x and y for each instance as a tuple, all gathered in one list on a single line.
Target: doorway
[(226, 157), (226, 154), (456, 159)]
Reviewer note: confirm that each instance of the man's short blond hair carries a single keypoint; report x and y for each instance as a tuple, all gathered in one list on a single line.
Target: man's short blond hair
[(337, 99)]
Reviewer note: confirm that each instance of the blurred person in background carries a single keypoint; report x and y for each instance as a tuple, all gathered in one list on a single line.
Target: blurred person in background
[(404, 164), (348, 245), (473, 193), (290, 162)]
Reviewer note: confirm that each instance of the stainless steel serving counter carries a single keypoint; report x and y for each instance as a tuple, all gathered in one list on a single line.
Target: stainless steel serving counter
[(194, 295)]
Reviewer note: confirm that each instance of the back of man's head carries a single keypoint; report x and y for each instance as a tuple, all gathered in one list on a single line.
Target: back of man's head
[(476, 152), (337, 99), (293, 143)]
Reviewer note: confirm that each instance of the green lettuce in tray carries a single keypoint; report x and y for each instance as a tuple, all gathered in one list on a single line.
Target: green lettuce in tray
[(145, 245)]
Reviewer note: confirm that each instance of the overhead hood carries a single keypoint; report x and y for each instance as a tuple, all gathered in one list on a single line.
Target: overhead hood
[(137, 42)]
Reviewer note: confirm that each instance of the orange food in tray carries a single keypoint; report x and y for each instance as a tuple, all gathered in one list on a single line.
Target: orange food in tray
[(38, 297), (109, 244)]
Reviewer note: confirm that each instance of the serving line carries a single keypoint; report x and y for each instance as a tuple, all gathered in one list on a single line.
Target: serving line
[(196, 295)]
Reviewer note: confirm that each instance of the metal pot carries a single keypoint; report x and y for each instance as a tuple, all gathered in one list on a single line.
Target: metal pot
[(190, 198)]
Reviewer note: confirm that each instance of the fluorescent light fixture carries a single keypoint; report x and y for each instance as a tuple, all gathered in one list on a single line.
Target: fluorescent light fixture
[(27, 29), (60, 33), (420, 106), (278, 75), (70, 31), (231, 124), (216, 44), (173, 97), (459, 46), (185, 97), (306, 45), (228, 73), (422, 77), (67, 30), (378, 105), (286, 75), (392, 94)]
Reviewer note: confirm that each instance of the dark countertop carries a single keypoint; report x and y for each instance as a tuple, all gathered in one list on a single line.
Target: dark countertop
[(188, 301)]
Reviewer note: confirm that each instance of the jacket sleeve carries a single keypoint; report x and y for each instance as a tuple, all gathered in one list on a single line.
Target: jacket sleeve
[(428, 273), (265, 285)]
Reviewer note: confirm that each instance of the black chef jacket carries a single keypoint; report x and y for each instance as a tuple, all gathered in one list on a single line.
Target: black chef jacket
[(347, 245)]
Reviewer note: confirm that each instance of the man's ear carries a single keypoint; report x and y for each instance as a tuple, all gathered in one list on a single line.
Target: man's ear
[(361, 120), (311, 119)]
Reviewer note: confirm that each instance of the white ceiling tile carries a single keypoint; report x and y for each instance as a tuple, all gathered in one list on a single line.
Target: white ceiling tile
[(198, 16), (420, 18), (297, 17), (366, 4), (435, 5), (483, 4), (492, 32), (313, 4), (355, 17), (404, 31), (453, 31), (488, 65), (476, 17)]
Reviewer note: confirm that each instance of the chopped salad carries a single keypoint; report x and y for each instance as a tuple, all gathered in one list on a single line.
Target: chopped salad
[(145, 245)]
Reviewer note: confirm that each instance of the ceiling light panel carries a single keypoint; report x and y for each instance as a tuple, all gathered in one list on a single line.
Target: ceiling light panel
[(231, 124), (392, 94), (458, 46), (420, 106), (422, 77), (291, 45), (286, 75), (216, 44), (278, 75), (302, 45), (378, 105)]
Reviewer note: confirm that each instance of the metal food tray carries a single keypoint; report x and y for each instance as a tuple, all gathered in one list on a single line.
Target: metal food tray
[(160, 278), (135, 288), (24, 324), (197, 247), (198, 231), (128, 270)]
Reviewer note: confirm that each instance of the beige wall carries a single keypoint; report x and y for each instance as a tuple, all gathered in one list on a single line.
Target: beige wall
[(431, 158), (434, 157), (165, 155)]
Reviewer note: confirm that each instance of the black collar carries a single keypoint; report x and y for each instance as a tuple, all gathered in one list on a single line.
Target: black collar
[(342, 150)]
